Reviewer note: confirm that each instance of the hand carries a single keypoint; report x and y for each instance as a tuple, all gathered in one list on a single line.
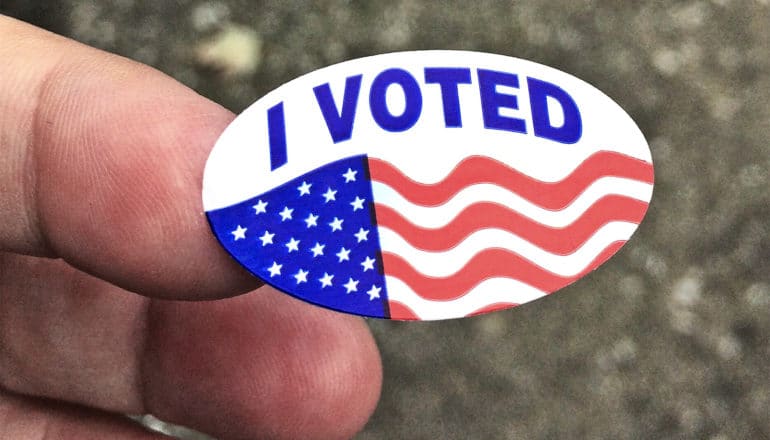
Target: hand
[(100, 171)]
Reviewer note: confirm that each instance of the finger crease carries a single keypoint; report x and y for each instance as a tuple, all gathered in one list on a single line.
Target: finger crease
[(141, 353), (31, 163)]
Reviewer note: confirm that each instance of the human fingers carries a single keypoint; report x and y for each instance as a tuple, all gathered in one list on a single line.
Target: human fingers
[(83, 183), (69, 336), (262, 365), (101, 165), (32, 419)]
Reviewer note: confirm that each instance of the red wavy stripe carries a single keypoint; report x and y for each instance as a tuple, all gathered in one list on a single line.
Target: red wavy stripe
[(486, 215), (492, 308), (478, 169), (490, 263), (401, 312)]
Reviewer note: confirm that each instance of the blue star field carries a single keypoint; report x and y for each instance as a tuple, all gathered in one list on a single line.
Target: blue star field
[(314, 237)]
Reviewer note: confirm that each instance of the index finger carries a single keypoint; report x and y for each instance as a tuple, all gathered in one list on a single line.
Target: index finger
[(101, 165)]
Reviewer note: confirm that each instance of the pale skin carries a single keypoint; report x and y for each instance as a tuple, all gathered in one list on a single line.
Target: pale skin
[(102, 235)]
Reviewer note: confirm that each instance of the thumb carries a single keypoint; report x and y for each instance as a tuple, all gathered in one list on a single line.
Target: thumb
[(101, 165)]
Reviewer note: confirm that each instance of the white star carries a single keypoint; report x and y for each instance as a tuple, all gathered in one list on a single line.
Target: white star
[(343, 255), (260, 207), (330, 194), (350, 175), (368, 264), (374, 292), (275, 269), (286, 213), (239, 233), (326, 280), (318, 249), (361, 235), (357, 204), (351, 285), (304, 188), (336, 224), (311, 220), (267, 238), (292, 245), (301, 276)]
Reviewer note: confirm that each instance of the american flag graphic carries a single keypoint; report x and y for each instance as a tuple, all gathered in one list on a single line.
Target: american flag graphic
[(358, 235)]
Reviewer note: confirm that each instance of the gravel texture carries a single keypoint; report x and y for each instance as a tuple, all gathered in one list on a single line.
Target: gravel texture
[(667, 340)]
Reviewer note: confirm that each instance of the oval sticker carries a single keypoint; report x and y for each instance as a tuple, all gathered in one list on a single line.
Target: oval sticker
[(427, 185)]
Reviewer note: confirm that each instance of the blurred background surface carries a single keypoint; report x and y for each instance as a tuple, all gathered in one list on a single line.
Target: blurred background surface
[(669, 339)]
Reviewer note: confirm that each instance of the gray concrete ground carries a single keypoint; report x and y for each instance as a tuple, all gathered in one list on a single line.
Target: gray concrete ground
[(667, 340)]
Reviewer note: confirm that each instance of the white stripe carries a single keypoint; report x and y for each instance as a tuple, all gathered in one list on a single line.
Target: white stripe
[(491, 291), (438, 216), (444, 264)]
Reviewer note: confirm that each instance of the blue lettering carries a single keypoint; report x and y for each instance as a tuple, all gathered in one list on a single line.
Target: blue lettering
[(492, 101), (571, 129), (339, 123), (276, 133), (340, 120), (448, 78), (379, 106)]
